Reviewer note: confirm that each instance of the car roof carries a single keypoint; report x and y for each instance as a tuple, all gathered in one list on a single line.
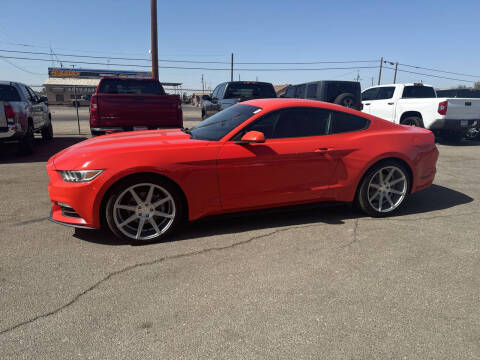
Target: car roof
[(272, 103)]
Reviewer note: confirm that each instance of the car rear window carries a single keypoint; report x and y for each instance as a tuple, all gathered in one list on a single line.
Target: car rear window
[(418, 92), (130, 86), (9, 93), (334, 89), (249, 90), (468, 93)]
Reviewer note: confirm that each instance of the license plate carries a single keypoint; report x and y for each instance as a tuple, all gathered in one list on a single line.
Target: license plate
[(464, 123), (136, 128)]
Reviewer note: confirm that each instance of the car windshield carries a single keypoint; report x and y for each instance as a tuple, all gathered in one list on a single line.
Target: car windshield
[(250, 90), (220, 124)]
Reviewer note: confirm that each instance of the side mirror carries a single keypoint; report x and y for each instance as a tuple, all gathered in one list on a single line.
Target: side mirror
[(43, 99), (206, 97), (252, 137)]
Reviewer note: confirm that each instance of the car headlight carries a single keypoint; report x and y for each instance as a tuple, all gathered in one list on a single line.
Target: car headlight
[(79, 175)]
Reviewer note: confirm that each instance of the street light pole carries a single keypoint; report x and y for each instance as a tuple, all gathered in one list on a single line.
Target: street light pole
[(154, 37)]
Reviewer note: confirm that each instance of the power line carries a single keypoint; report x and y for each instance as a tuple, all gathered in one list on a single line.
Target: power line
[(191, 68), (430, 75), (188, 61), (431, 69), (20, 68)]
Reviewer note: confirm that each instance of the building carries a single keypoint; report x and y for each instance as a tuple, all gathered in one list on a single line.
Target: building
[(65, 86)]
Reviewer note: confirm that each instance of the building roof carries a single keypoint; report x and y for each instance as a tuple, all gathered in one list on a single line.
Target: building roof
[(71, 82)]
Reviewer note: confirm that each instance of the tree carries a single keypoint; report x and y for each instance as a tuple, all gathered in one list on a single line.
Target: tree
[(477, 85)]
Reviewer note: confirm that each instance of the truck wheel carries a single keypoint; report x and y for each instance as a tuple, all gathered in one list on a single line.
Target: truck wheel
[(47, 132), (473, 134), (203, 115), (144, 209), (412, 121), (454, 138), (348, 100), (383, 189), (26, 144)]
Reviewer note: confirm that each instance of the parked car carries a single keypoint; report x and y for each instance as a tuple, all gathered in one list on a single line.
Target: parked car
[(345, 93), (22, 114), (417, 105), (229, 93), (256, 154), (125, 104)]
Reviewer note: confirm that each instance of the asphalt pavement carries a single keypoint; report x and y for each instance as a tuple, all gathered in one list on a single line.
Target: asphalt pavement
[(317, 283)]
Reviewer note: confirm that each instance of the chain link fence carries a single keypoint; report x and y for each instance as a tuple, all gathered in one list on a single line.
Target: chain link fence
[(188, 96)]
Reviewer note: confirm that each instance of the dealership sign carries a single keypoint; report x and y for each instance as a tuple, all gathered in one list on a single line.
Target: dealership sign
[(95, 73)]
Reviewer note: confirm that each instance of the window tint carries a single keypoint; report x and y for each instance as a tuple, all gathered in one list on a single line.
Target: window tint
[(130, 86), (312, 91), (250, 90), (290, 92), (370, 94), (385, 92), (299, 122), (221, 91), (33, 96), (343, 122), (446, 93), (215, 92), (300, 93), (9, 93), (418, 92), (220, 124), (468, 93)]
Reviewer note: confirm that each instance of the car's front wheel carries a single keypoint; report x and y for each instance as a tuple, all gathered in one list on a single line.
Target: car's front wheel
[(144, 209), (383, 189)]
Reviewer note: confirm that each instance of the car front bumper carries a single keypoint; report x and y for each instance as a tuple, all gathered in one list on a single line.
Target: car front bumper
[(73, 204)]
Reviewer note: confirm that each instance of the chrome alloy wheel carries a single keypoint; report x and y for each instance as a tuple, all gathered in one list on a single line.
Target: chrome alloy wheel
[(348, 102), (387, 189), (144, 211)]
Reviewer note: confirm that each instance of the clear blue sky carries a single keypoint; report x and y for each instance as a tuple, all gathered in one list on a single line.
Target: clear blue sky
[(430, 33)]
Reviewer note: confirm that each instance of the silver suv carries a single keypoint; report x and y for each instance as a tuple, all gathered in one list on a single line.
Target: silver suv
[(23, 113)]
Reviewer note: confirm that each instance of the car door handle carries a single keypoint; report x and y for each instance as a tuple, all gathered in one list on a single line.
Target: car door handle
[(391, 103), (323, 150), (367, 104)]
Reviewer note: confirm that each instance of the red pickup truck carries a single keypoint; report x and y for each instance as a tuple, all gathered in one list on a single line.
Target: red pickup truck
[(125, 104)]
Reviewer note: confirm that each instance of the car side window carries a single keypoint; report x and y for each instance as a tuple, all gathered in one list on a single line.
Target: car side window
[(370, 94), (300, 93), (215, 92), (385, 92), (25, 92), (290, 92), (344, 122), (33, 96), (312, 91), (221, 91)]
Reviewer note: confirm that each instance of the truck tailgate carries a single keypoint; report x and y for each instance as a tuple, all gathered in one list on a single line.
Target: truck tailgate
[(463, 109), (139, 110)]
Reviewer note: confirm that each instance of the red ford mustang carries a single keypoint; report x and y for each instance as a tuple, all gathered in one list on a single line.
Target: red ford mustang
[(253, 155)]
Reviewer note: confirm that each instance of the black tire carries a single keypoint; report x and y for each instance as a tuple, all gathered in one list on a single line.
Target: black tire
[(27, 142), (473, 134), (412, 121), (141, 184), (365, 198), (347, 100), (203, 115), (47, 132)]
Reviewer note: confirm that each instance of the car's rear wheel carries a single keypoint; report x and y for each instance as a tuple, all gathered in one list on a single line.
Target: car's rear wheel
[(412, 121), (347, 100), (383, 189), (144, 209), (47, 132), (27, 142)]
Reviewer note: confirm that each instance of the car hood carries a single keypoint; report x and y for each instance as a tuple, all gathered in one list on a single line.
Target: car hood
[(83, 153)]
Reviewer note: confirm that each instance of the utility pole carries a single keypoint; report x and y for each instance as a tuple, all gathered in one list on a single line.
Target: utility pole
[(372, 80), (380, 71), (203, 85), (231, 70), (395, 75), (154, 38)]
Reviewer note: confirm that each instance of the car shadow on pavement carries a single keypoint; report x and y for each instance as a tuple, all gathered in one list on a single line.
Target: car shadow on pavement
[(43, 150), (434, 198)]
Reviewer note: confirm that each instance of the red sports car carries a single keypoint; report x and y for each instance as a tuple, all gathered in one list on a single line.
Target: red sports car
[(253, 155)]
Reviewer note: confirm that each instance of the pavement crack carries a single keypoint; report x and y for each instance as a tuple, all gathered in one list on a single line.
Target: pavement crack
[(355, 234), (148, 263)]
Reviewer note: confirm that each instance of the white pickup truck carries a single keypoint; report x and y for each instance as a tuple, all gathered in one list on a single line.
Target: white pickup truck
[(417, 105)]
